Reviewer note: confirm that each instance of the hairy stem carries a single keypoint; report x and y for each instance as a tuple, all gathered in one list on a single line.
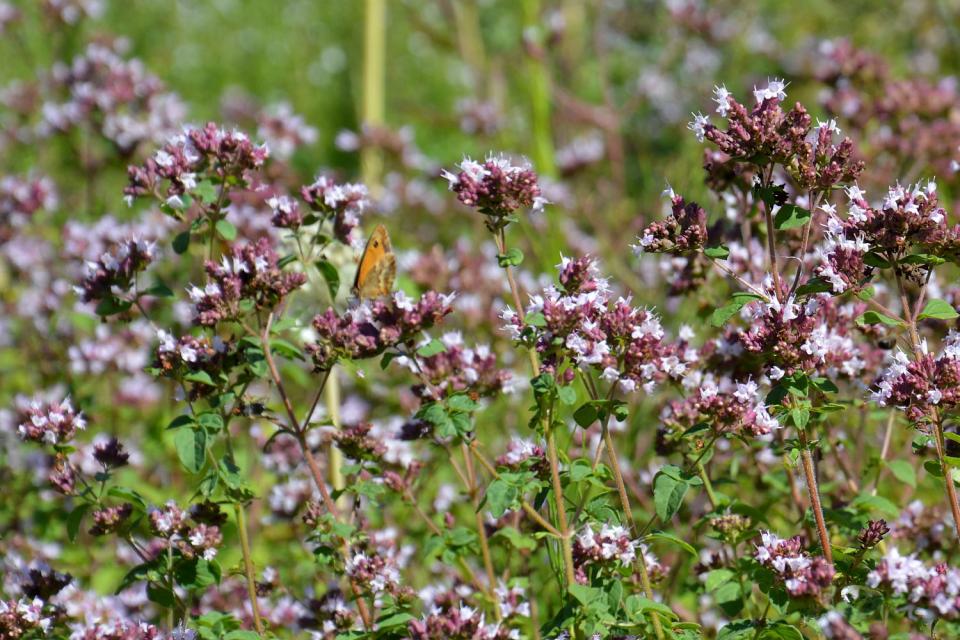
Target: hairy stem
[(810, 473), (248, 565)]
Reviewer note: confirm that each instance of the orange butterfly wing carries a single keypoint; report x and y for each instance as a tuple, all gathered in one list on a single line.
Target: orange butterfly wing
[(378, 266)]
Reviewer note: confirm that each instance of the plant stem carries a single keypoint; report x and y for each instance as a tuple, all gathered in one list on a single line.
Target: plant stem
[(707, 485), (938, 437), (552, 455), (374, 73), (315, 471), (248, 565), (331, 394), (628, 514), (947, 474), (527, 507), (811, 475), (562, 525), (481, 526)]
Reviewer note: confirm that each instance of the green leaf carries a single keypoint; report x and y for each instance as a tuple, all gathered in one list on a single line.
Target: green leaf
[(181, 242), (201, 377), (159, 290), (874, 317), (717, 253), (191, 447), (394, 620), (780, 630), (437, 415), (814, 285), (668, 491), (874, 259), (585, 415), (206, 192), (868, 504), (584, 594), (512, 258), (462, 402), (790, 216), (387, 358), (903, 471), (736, 630), (567, 395), (74, 520), (161, 594), (286, 349), (637, 606), (181, 421), (432, 348), (718, 577), (211, 421), (226, 230), (517, 539), (242, 634), (130, 495), (721, 315), (501, 497), (535, 319), (938, 310), (669, 537), (933, 468), (110, 306), (922, 258), (331, 276)]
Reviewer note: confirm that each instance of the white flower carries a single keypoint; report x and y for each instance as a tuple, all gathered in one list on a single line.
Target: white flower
[(720, 96), (775, 90), (698, 125)]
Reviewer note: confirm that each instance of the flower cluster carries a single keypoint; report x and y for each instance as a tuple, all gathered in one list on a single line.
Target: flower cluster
[(119, 99), (178, 357), (683, 231), (21, 198), (520, 452), (115, 273), (581, 323), (610, 547), (931, 591), (787, 138), (50, 422), (730, 407), (357, 444), (801, 575), (374, 573), (284, 131), (921, 385), (185, 532), (249, 275), (110, 519), (815, 336), (198, 153), (496, 188), (345, 203), (457, 621), (459, 368), (835, 627), (22, 618), (286, 212), (909, 219), (374, 326)]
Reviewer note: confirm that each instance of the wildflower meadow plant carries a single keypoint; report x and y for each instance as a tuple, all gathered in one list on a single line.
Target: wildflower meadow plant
[(567, 413)]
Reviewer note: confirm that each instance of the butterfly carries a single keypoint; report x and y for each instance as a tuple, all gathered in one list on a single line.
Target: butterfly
[(378, 267)]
